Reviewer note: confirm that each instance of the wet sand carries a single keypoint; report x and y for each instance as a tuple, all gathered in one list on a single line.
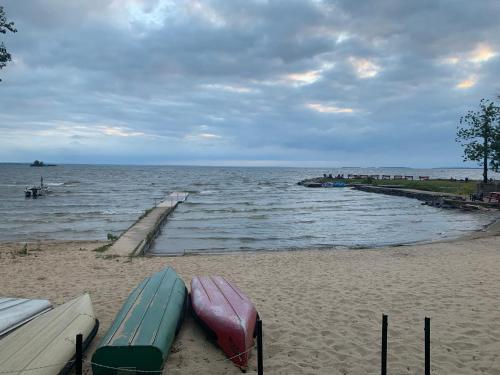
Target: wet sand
[(321, 309)]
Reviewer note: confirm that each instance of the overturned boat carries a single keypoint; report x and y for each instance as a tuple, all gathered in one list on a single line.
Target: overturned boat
[(143, 331), (227, 314), (14, 312), (46, 345)]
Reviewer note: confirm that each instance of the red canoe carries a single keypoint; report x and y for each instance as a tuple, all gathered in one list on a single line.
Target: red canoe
[(227, 313)]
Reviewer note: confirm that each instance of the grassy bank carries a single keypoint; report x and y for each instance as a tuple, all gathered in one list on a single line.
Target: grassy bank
[(442, 186)]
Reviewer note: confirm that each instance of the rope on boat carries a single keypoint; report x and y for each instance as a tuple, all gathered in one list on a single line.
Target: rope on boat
[(124, 369), (237, 355), (161, 371)]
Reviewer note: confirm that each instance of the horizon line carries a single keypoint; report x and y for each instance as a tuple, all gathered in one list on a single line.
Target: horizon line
[(238, 166)]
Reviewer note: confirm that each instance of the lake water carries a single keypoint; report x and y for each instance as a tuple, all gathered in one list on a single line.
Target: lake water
[(228, 208)]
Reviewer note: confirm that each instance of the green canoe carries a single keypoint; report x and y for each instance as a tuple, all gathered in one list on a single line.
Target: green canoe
[(143, 331)]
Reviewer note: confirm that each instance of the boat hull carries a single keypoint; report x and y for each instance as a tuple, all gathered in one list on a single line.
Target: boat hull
[(46, 345), (227, 313), (144, 329), (14, 312)]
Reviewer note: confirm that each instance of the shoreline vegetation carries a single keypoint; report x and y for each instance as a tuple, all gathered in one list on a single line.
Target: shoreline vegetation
[(455, 282), (443, 193), (448, 186)]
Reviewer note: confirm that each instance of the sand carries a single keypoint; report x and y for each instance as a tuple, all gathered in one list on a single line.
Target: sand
[(321, 310)]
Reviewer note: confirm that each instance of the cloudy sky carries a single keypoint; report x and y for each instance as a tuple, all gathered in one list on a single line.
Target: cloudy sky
[(241, 82)]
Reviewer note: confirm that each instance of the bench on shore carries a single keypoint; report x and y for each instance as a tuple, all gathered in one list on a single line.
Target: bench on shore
[(386, 177), (398, 177), (423, 178), (408, 177), (375, 176)]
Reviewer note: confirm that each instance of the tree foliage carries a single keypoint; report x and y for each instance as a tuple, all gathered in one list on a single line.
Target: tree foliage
[(5, 26), (479, 134)]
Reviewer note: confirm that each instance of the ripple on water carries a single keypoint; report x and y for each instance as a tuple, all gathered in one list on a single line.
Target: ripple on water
[(229, 209)]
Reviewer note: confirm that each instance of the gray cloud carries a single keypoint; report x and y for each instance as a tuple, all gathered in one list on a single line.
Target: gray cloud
[(373, 83)]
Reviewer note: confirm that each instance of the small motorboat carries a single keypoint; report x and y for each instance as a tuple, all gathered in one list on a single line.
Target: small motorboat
[(33, 192), (144, 329), (36, 191), (227, 314)]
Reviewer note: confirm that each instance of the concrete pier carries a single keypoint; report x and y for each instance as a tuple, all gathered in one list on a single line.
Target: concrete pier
[(139, 237)]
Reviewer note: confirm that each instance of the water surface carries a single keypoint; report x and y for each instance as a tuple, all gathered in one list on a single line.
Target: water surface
[(229, 208)]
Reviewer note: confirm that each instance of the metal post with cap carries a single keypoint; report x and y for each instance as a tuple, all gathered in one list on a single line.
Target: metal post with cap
[(427, 346), (79, 354), (260, 358), (383, 369)]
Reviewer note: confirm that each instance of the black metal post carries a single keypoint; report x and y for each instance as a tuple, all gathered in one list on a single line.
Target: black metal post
[(260, 357), (383, 369), (79, 354), (427, 346)]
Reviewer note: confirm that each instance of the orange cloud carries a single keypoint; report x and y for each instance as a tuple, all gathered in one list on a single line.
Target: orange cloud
[(483, 52), (467, 83), (321, 108), (305, 78), (364, 68)]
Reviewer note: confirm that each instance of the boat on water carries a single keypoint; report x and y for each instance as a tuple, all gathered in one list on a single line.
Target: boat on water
[(336, 184), (144, 329), (36, 191), (14, 312), (46, 344), (227, 314)]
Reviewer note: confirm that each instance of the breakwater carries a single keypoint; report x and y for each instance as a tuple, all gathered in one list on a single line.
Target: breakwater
[(431, 198), (427, 196)]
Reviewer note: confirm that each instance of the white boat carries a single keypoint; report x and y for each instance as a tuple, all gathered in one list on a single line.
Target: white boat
[(14, 312), (37, 191), (46, 345)]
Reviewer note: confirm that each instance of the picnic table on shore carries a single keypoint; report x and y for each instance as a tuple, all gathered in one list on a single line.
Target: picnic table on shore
[(493, 196)]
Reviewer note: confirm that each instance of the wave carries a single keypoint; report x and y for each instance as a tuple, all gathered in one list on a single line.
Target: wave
[(251, 203), (258, 217), (207, 192), (242, 210)]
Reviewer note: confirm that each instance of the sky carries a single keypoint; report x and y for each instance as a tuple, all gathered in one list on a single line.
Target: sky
[(245, 82)]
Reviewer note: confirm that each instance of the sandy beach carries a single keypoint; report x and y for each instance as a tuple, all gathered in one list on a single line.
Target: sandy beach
[(321, 309), (336, 161)]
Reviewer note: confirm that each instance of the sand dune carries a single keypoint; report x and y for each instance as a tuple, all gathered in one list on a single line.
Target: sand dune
[(321, 309)]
